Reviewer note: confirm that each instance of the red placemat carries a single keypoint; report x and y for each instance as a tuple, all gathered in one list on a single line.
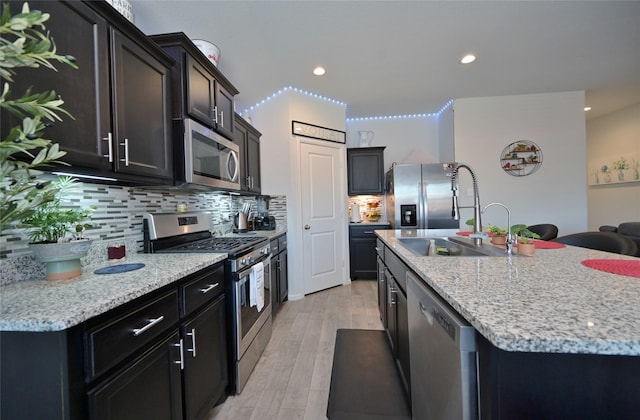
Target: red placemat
[(623, 267), (547, 245)]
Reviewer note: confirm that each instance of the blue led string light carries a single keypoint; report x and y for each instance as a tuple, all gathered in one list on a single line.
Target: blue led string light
[(334, 101)]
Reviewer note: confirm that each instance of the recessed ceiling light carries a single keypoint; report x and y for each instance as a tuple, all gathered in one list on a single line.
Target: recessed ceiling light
[(469, 58), (319, 71), (587, 108)]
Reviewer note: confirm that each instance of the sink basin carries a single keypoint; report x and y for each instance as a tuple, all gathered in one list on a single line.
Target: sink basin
[(450, 247)]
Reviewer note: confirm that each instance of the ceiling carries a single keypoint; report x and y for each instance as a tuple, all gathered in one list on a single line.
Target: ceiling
[(402, 57)]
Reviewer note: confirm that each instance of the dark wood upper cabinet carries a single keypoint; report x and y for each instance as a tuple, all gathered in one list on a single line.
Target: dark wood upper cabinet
[(199, 90), (365, 166), (248, 138), (118, 96)]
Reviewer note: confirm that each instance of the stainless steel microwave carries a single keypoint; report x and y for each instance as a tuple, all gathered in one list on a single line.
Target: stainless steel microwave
[(204, 158)]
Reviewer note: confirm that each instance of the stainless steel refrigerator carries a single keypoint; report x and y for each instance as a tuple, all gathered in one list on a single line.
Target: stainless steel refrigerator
[(418, 196)]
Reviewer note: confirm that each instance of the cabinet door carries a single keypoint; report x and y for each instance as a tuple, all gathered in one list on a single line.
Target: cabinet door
[(224, 108), (205, 365), (402, 321), (362, 253), (283, 277), (382, 293), (275, 301), (365, 170), (80, 32), (149, 388), (142, 136), (392, 330), (253, 161), (200, 93)]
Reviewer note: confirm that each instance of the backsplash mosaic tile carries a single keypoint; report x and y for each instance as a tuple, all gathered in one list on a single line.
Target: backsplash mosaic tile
[(118, 218)]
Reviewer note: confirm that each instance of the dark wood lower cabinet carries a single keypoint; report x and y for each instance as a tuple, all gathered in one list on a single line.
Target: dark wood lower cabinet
[(148, 389), (205, 373), (161, 356)]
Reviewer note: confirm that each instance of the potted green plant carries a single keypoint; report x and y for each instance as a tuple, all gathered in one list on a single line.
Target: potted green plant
[(498, 234), (24, 151), (526, 238), (56, 234)]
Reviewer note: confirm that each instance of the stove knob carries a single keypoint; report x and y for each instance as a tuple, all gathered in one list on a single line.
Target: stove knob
[(251, 260), (243, 261)]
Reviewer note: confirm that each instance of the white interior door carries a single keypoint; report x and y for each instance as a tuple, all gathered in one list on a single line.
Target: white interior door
[(323, 232)]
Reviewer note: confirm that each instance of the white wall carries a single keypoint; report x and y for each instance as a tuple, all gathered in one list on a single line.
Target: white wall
[(279, 153), (557, 192), (407, 140), (616, 134)]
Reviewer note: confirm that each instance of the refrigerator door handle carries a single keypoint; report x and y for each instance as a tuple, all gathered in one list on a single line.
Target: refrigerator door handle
[(422, 220)]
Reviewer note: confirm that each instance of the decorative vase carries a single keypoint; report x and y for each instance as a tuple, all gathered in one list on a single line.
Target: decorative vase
[(365, 138), (620, 176), (528, 248), (499, 240), (62, 259)]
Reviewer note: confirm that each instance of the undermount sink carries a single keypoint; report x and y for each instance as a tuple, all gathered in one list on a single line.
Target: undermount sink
[(450, 247)]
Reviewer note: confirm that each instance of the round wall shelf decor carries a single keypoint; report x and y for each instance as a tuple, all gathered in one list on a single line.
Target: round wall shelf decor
[(521, 158)]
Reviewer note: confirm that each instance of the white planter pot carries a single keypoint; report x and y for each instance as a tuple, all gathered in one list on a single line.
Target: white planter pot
[(62, 259)]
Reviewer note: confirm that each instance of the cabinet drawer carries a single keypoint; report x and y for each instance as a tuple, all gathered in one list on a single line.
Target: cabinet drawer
[(282, 242), (275, 247), (117, 338), (380, 248), (204, 287), (363, 231), (397, 269)]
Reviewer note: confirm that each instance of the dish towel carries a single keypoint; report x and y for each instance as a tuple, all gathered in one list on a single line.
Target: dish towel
[(256, 286)]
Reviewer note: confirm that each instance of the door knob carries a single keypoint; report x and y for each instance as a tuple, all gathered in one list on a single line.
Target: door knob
[(307, 227)]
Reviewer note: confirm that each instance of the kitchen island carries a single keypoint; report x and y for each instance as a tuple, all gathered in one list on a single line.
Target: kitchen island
[(555, 339)]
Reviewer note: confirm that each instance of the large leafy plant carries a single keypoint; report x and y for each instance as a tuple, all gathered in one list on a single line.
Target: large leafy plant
[(25, 149), (50, 222)]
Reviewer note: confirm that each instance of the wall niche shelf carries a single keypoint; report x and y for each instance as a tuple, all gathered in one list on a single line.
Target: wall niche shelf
[(521, 158)]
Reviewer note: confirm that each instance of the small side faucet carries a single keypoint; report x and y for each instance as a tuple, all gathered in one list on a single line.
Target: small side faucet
[(509, 237), (477, 234)]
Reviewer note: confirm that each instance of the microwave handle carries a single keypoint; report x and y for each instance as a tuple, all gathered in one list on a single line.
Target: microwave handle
[(234, 155)]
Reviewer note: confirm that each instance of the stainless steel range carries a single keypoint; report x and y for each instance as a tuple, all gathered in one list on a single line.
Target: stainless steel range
[(248, 299)]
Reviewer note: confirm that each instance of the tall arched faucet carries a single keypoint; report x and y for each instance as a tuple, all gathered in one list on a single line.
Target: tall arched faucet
[(477, 234), (509, 242)]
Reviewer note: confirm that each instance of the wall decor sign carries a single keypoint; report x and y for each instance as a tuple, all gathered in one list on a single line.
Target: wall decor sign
[(521, 158), (316, 132)]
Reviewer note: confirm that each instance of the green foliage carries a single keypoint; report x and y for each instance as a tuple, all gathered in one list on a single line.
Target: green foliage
[(524, 233), (50, 222), (496, 230), (25, 150)]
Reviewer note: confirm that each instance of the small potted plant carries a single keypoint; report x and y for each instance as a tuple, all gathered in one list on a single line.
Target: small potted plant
[(56, 234), (526, 238), (498, 234)]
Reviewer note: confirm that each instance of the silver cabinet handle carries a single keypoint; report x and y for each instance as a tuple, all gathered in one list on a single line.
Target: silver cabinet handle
[(209, 288), (307, 227), (192, 334), (222, 119), (109, 140), (368, 232), (126, 152), (152, 323), (215, 114), (181, 361)]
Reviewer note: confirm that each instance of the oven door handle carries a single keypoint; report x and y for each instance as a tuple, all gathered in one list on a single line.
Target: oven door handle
[(266, 261)]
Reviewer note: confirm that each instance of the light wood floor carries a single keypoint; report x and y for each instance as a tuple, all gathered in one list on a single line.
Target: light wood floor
[(291, 380)]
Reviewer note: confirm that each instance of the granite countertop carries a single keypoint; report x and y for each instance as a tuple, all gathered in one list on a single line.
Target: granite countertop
[(39, 305), (546, 303)]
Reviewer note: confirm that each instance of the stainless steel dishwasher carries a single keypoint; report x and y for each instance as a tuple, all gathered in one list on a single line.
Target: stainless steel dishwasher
[(442, 348)]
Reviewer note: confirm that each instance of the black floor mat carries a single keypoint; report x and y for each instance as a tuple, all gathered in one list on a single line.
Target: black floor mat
[(365, 383)]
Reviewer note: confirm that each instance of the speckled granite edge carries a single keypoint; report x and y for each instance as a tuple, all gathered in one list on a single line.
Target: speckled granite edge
[(546, 303), (39, 305)]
